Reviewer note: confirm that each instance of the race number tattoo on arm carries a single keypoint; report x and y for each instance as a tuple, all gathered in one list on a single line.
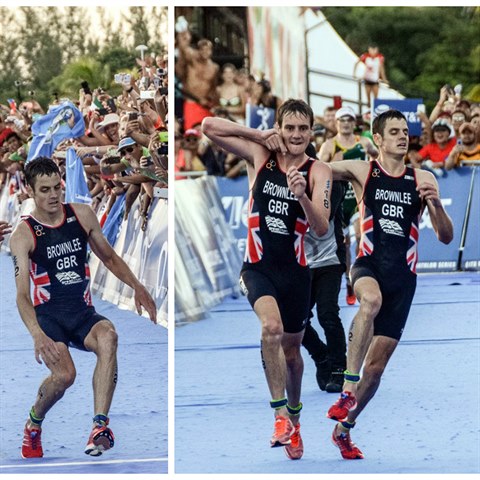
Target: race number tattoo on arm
[(15, 266), (326, 201)]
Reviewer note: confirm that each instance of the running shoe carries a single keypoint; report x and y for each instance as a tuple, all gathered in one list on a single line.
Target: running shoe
[(351, 298), (283, 430), (100, 439), (339, 410), (294, 451), (32, 443), (347, 448)]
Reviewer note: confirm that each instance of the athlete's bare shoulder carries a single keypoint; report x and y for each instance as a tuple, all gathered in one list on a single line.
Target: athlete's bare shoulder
[(22, 238)]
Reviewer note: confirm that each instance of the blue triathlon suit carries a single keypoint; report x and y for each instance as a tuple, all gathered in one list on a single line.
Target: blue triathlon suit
[(61, 279), (275, 263), (390, 211)]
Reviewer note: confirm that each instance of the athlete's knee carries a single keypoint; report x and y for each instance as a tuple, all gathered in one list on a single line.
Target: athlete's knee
[(64, 378), (272, 329), (108, 341), (371, 302)]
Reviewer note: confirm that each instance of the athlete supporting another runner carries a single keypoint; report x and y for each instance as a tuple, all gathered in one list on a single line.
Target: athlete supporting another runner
[(391, 199), (288, 192), (50, 247)]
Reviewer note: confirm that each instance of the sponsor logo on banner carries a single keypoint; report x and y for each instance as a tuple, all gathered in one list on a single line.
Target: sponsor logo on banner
[(407, 106)]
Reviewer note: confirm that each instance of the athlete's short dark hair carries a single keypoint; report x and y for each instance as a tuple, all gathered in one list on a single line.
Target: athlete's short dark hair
[(294, 106), (40, 166), (379, 122)]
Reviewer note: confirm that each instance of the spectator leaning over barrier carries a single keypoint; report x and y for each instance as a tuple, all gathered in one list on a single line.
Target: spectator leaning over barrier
[(467, 148)]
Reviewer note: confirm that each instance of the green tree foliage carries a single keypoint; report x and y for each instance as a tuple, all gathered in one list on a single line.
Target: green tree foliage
[(424, 47), (52, 50), (10, 71)]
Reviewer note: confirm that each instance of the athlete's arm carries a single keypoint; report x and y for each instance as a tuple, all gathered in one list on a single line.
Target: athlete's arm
[(317, 210), (350, 170), (248, 143), (21, 244), (325, 154), (112, 261), (369, 147), (428, 189)]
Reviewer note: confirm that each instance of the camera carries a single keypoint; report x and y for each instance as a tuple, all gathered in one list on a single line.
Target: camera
[(161, 72), (132, 116), (86, 88), (163, 149)]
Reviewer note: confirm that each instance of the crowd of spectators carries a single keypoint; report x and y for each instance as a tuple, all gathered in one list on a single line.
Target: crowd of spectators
[(125, 145), (450, 134)]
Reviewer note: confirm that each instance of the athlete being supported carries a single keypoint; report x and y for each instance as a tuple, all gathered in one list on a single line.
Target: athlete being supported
[(288, 193), (50, 247), (391, 199)]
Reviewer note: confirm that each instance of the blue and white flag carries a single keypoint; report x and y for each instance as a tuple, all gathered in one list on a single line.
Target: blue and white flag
[(76, 189), (61, 122), (114, 220)]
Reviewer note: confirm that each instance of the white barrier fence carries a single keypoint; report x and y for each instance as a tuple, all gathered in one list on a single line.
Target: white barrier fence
[(207, 261), (145, 252)]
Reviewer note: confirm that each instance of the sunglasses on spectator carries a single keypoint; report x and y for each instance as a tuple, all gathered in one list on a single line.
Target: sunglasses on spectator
[(346, 119), (458, 118), (126, 149)]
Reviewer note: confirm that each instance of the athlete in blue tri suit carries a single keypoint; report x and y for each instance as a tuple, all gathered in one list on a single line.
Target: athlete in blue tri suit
[(288, 193), (49, 246), (391, 199)]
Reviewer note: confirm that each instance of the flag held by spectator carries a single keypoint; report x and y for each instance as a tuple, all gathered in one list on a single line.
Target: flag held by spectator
[(61, 122), (76, 189)]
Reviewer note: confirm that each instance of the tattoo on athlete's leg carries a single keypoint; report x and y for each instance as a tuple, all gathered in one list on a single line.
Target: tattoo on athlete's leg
[(261, 354)]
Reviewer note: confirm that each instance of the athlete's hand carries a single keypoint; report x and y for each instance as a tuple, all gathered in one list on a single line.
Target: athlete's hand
[(428, 192), (46, 349), (273, 141), (296, 182), (5, 229), (143, 298)]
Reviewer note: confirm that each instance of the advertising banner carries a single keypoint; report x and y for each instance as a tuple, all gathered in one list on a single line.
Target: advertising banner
[(408, 107)]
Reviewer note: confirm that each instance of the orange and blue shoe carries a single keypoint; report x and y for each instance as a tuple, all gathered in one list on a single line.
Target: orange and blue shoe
[(32, 443), (283, 430), (101, 439), (294, 451), (339, 410), (347, 448)]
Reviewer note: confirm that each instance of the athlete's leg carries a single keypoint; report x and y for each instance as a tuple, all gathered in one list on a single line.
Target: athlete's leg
[(273, 356), (54, 386), (102, 340), (360, 334), (291, 343), (378, 355)]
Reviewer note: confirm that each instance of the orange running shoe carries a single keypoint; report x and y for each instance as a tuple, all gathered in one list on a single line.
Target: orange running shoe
[(32, 443), (294, 451), (347, 448), (339, 410), (351, 298), (100, 439), (283, 431)]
